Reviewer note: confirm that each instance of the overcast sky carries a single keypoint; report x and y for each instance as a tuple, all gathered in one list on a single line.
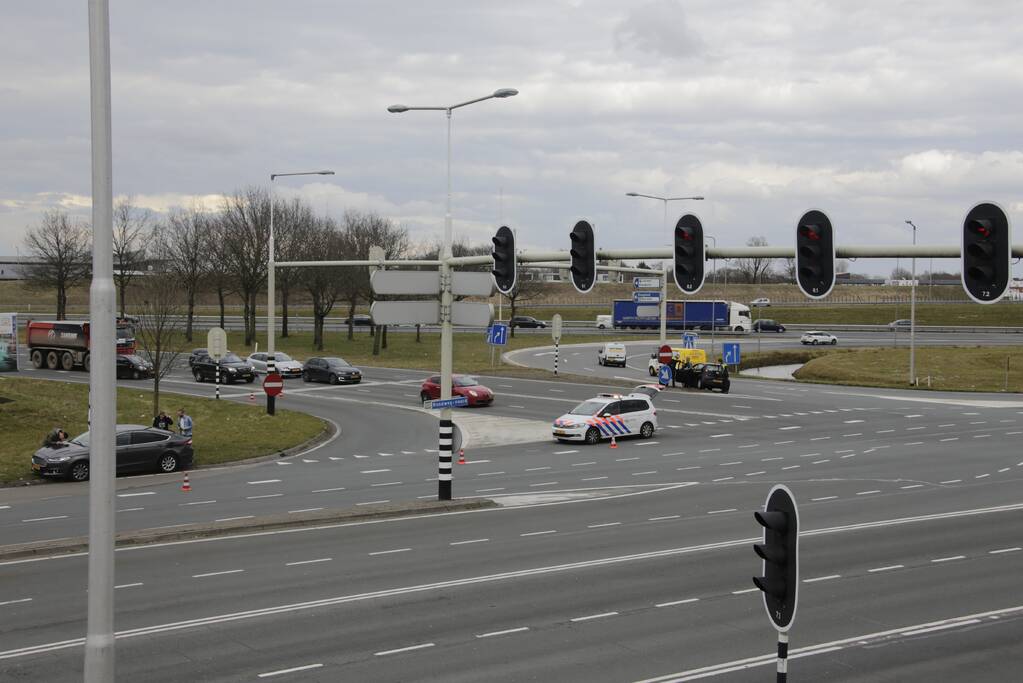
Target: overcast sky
[(873, 111)]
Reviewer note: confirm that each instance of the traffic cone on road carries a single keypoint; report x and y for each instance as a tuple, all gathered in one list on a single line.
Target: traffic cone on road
[(461, 456), (252, 397), (185, 485), (614, 444)]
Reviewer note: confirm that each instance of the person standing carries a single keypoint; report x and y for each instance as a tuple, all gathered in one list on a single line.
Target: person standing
[(676, 368), (162, 421), (184, 423)]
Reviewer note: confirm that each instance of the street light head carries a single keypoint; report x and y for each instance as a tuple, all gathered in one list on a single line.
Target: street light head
[(506, 92), (631, 194), (699, 198), (397, 108), (324, 172)]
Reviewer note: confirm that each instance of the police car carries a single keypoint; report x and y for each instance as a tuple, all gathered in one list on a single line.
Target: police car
[(607, 415)]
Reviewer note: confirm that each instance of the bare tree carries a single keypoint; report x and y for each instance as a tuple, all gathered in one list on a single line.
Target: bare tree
[(131, 244), (183, 248), (246, 223), (158, 331), (754, 268), (218, 269), (524, 290), (325, 284), (362, 231), (293, 224), (61, 246), (788, 268)]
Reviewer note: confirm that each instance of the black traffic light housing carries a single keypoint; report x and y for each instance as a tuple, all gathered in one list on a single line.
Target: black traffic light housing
[(689, 254), (815, 254), (584, 257), (987, 250), (780, 553), (505, 265)]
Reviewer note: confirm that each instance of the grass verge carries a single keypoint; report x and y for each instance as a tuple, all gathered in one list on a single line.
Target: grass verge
[(224, 431)]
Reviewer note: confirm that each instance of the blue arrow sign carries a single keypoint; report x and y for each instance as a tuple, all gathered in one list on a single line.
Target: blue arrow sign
[(497, 334), (455, 402), (731, 353), (664, 375), (688, 341)]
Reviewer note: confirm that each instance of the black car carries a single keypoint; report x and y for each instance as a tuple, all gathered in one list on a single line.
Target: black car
[(526, 321), (139, 449), (332, 370), (133, 367), (768, 325), (707, 376), (360, 320), (232, 369), (196, 355)]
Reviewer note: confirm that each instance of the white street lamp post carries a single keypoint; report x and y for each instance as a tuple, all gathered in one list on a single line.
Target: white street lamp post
[(271, 286), (912, 317), (445, 440), (664, 270)]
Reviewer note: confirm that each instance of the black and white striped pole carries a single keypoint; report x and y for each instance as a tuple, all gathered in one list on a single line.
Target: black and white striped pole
[(445, 443), (217, 378), (556, 334), (783, 656)]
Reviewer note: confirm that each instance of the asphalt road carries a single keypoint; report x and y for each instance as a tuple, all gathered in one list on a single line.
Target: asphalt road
[(605, 565)]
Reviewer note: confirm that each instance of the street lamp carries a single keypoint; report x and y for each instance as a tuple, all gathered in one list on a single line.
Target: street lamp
[(446, 332), (912, 316), (271, 286), (664, 266)]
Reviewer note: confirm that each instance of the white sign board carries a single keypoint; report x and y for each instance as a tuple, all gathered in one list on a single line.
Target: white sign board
[(472, 284), (405, 282), (646, 282), (216, 342), (405, 312), (556, 327), (472, 314), (376, 254)]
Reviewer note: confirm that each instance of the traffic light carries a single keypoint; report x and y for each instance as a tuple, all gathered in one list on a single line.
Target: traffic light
[(505, 265), (584, 257), (780, 553), (815, 255), (987, 249), (689, 254)]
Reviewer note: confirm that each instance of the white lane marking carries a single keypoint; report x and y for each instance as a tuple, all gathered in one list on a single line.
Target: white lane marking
[(293, 669), (913, 429), (723, 478), (564, 452), (283, 462), (791, 467), (229, 571), (690, 467), (295, 564), (507, 631), (488, 474), (951, 438), (668, 455), (753, 474), (658, 519), (44, 519), (1004, 469), (338, 488), (950, 481), (710, 450), (771, 459), (403, 649), (198, 502), (726, 464), (129, 585), (981, 476), (823, 578), (749, 445), (949, 559), (745, 590), (130, 509), (335, 458), (593, 478), (231, 519), (814, 455), (295, 512), (373, 471), (264, 481), (940, 628), (912, 486), (849, 422), (499, 488), (884, 431), (820, 438), (15, 602), (474, 540), (545, 483), (718, 512), (814, 500), (595, 616), (374, 502), (640, 474), (540, 533), (625, 459), (265, 495), (982, 436), (950, 424), (782, 443), (915, 443), (789, 427), (867, 493), (911, 416), (854, 434), (885, 569), (389, 552), (388, 483), (718, 436), (536, 469), (580, 464), (1004, 550), (5, 507), (140, 493), (677, 602), (598, 526), (386, 455)]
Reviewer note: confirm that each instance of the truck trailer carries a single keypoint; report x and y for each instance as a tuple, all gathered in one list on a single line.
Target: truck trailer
[(688, 315), (64, 344)]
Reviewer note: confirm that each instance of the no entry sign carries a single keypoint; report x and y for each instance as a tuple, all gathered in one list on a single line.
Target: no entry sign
[(273, 384), (664, 354)]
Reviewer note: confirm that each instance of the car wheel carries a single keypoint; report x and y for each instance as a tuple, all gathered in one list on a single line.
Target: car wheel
[(52, 360), (197, 375), (699, 384), (724, 389), (651, 371), (780, 330), (332, 379), (88, 362), (814, 342), (738, 328), (306, 377), (592, 435), (647, 430), (79, 471), (834, 341), (423, 397), (67, 361), (135, 374), (168, 462), (250, 379), (37, 359)]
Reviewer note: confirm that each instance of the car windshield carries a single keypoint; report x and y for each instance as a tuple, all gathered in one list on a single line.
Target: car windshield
[(278, 356), (81, 439), (337, 362), (134, 359), (231, 358), (588, 408), (464, 381)]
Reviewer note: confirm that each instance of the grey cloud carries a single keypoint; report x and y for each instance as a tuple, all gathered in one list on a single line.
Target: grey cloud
[(659, 28)]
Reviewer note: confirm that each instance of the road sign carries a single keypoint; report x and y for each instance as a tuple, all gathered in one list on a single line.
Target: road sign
[(405, 282), (376, 254), (472, 314), (472, 284), (273, 384), (664, 375), (688, 340), (216, 343), (404, 312), (664, 354), (556, 327), (646, 283), (646, 297), (455, 402), (497, 334), (731, 353)]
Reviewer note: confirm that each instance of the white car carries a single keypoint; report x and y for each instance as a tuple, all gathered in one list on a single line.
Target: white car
[(816, 337), (284, 364), (607, 415), (762, 302), (612, 353), (605, 322)]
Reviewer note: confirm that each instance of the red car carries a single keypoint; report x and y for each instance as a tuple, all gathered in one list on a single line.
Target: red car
[(461, 385)]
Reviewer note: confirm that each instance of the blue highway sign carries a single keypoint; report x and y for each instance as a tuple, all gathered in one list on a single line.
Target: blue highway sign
[(497, 334), (456, 402), (646, 297), (688, 341), (731, 353), (664, 375)]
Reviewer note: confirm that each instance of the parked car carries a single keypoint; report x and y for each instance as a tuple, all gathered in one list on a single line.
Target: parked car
[(461, 385), (816, 337), (768, 325), (139, 449), (232, 369), (762, 302), (707, 376), (332, 370), (605, 416), (133, 367), (526, 321), (284, 365), (196, 355), (612, 353), (901, 324)]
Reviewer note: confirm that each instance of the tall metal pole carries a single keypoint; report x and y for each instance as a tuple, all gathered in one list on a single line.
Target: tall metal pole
[(664, 282), (271, 306), (99, 635), (912, 318), (445, 440)]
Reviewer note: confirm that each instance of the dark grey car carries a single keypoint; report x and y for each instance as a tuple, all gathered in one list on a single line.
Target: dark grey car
[(332, 370), (139, 449)]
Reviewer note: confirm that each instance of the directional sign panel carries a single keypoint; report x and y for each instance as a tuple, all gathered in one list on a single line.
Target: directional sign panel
[(454, 402), (472, 284), (731, 353), (404, 312), (216, 342), (406, 282), (688, 341), (664, 375), (556, 327), (646, 297), (646, 282), (471, 314), (497, 334)]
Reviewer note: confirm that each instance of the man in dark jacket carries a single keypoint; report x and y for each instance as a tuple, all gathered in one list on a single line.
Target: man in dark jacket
[(162, 421)]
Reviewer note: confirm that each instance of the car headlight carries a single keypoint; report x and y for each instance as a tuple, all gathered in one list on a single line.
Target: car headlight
[(232, 370), (60, 458), (473, 393)]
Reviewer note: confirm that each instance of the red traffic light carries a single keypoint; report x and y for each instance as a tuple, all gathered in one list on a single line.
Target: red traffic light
[(684, 234), (810, 231), (981, 226)]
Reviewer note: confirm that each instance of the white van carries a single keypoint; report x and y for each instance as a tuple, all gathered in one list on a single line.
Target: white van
[(612, 353), (605, 322)]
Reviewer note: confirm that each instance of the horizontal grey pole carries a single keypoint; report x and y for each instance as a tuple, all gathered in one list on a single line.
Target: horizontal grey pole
[(363, 262)]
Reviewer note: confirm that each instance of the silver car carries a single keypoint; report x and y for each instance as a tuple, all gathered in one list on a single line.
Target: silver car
[(284, 364)]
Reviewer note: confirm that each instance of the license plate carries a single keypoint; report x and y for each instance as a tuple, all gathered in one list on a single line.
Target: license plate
[(36, 466), (561, 432)]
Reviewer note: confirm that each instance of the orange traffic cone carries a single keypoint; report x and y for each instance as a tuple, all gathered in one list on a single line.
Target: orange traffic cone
[(614, 444), (252, 397), (185, 486), (461, 456)]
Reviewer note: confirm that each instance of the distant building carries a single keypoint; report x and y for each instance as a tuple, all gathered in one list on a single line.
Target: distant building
[(12, 267)]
